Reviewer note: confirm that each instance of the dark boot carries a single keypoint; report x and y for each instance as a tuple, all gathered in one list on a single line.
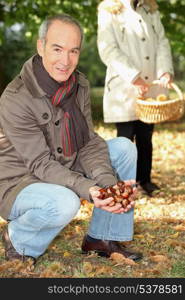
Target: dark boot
[(10, 252), (106, 248)]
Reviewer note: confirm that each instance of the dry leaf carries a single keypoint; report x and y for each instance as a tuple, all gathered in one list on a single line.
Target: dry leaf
[(151, 236), (180, 227), (104, 270), (83, 201), (55, 266), (119, 258), (78, 229), (66, 254), (159, 258), (48, 274), (172, 243), (152, 271), (174, 236), (87, 267), (139, 236)]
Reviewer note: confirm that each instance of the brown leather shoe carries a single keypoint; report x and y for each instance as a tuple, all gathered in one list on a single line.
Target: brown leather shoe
[(106, 248), (10, 252)]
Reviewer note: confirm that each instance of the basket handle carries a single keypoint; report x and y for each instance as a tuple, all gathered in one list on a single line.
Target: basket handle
[(174, 86)]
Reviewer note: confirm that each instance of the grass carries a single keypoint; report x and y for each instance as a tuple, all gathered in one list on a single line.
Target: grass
[(159, 230)]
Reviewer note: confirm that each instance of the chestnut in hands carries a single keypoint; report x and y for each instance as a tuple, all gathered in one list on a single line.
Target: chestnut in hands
[(120, 193)]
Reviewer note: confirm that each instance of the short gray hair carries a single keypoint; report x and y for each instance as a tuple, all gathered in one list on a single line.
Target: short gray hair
[(64, 18)]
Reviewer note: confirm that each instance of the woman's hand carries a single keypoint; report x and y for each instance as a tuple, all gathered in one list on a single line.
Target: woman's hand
[(142, 86), (165, 80)]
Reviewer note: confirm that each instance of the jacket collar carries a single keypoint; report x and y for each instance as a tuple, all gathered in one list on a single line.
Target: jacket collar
[(30, 81)]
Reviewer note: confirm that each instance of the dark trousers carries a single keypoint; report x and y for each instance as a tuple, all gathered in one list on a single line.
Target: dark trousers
[(141, 134)]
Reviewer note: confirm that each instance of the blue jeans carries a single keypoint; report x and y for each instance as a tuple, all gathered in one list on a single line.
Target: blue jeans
[(39, 212)]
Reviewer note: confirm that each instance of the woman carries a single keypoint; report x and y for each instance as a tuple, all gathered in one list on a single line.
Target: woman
[(133, 46)]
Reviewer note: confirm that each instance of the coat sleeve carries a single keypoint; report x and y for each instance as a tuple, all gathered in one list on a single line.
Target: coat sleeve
[(94, 157), (164, 58), (31, 149), (109, 50)]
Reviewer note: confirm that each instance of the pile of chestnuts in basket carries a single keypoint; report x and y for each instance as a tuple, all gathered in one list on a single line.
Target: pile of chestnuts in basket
[(120, 192)]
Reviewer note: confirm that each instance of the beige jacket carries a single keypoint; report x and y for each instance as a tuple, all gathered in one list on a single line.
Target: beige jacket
[(30, 143), (131, 44)]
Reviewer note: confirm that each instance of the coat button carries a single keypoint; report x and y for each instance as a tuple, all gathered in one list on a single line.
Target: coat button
[(45, 116), (146, 77), (57, 122), (140, 20), (59, 150), (143, 39), (147, 57)]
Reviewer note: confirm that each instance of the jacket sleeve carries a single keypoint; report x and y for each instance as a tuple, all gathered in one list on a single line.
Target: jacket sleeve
[(94, 157), (109, 50), (32, 150), (164, 58)]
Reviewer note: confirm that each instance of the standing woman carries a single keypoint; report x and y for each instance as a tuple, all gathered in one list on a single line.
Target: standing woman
[(133, 46)]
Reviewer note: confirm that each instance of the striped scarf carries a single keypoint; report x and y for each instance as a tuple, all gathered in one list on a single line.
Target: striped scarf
[(74, 129)]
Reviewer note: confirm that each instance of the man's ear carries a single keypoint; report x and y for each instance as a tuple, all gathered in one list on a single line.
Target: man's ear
[(40, 47)]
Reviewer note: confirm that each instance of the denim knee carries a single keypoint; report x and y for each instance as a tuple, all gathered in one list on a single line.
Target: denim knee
[(61, 210), (124, 146)]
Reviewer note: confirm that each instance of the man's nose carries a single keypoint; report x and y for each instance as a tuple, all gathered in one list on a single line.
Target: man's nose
[(65, 58)]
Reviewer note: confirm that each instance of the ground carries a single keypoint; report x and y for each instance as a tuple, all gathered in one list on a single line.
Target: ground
[(159, 231)]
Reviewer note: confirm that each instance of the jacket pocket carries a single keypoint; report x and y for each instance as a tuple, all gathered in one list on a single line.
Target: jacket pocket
[(44, 121), (113, 82)]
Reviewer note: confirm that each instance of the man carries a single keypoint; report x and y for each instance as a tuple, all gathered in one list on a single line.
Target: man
[(50, 156)]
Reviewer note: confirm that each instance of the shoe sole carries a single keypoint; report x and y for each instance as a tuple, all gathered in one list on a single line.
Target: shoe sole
[(103, 254), (100, 253)]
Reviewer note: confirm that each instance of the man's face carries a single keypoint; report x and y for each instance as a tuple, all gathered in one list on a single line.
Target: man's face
[(61, 51)]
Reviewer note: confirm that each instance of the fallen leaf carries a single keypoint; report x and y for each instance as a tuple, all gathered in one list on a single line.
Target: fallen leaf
[(159, 258), (152, 271), (55, 266), (139, 236), (175, 243), (87, 267), (151, 236), (119, 258), (48, 274), (83, 201), (78, 229), (174, 236), (180, 227), (104, 270), (66, 254)]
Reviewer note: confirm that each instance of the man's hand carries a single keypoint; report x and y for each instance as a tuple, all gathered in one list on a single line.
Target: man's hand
[(142, 86), (104, 203), (132, 197)]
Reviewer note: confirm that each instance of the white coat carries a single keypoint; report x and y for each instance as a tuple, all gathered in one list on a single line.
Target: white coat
[(131, 44)]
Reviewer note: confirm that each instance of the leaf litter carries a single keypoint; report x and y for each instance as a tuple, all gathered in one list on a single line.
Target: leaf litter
[(159, 229)]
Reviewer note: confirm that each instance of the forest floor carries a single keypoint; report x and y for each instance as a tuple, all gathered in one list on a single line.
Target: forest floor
[(159, 230)]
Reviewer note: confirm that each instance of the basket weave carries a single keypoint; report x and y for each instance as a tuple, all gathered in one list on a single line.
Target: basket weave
[(157, 112)]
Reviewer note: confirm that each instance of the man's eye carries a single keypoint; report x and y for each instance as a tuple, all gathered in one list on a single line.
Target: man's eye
[(57, 49), (75, 51)]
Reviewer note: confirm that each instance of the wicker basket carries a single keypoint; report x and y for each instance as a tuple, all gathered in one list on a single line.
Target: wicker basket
[(157, 112)]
